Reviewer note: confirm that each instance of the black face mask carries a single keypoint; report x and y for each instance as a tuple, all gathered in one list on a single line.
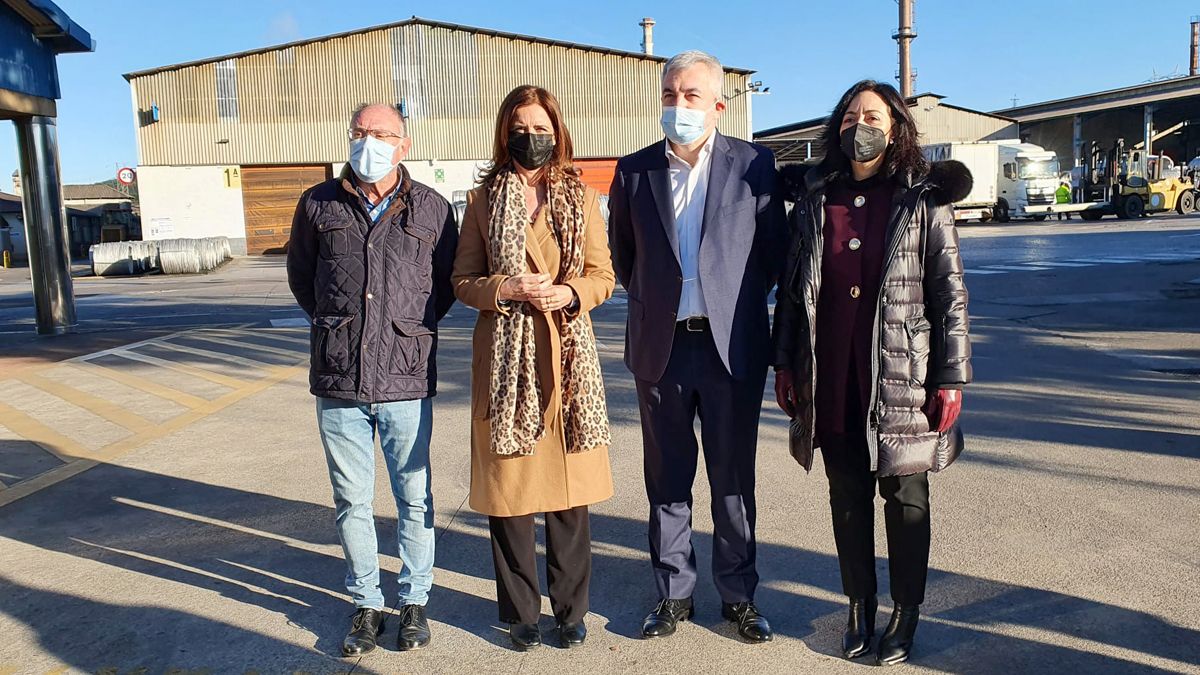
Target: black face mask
[(863, 143), (531, 151)]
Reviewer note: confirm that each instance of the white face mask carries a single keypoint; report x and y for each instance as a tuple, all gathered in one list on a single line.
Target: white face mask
[(371, 158), (683, 126)]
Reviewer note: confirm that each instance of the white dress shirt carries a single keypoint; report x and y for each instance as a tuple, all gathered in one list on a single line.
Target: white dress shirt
[(689, 188)]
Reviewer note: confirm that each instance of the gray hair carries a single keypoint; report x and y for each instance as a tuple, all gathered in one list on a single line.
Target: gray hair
[(395, 110), (692, 57)]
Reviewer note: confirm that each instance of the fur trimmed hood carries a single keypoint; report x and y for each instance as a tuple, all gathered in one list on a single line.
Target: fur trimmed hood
[(948, 181)]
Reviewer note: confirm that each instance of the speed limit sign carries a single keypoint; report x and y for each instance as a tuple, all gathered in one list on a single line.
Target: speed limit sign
[(126, 176)]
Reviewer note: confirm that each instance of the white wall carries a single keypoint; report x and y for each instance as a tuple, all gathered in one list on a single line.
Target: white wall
[(191, 202), (456, 174), (16, 230)]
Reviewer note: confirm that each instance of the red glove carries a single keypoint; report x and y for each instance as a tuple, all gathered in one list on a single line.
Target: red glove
[(785, 391), (942, 408)]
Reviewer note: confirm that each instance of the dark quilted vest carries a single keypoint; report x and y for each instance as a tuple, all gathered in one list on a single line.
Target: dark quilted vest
[(377, 290)]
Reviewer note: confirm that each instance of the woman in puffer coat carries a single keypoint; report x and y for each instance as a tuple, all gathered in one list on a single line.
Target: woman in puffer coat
[(872, 349)]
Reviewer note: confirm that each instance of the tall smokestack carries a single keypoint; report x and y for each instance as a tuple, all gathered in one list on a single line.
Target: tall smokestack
[(904, 37), (1195, 68), (647, 25)]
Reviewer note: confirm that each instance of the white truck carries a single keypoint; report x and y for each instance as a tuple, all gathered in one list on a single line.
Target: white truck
[(1011, 179)]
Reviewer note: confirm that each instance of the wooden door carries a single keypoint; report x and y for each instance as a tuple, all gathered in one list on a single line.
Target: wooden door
[(269, 196)]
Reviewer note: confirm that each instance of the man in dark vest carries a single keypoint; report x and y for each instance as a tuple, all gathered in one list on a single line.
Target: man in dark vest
[(369, 261)]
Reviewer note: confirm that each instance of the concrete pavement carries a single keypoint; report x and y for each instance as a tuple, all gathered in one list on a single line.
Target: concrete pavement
[(166, 506)]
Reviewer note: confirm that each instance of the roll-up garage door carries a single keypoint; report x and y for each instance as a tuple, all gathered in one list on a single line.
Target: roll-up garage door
[(597, 173)]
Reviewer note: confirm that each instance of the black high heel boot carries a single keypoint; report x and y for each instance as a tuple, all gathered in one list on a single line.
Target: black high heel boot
[(897, 640), (860, 627)]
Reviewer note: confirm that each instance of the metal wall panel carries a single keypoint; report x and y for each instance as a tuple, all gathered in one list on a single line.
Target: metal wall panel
[(293, 104), (941, 124)]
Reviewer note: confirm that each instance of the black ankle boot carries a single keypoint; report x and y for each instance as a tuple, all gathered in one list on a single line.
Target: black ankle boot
[(860, 627), (897, 640)]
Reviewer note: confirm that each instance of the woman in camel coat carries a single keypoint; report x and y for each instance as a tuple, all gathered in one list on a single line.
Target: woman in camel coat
[(539, 428)]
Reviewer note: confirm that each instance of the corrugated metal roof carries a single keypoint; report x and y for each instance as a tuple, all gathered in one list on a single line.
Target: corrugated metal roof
[(1138, 94), (292, 105), (817, 122), (93, 191), (424, 22)]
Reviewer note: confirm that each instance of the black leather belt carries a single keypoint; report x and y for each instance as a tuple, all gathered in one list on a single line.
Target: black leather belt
[(694, 324)]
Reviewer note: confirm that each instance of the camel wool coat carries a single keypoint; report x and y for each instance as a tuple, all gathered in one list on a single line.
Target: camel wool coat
[(550, 479)]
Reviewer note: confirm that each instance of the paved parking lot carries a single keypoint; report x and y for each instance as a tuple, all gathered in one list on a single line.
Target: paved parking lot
[(165, 505)]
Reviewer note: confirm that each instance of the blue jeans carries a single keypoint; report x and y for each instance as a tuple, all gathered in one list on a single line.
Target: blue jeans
[(348, 433)]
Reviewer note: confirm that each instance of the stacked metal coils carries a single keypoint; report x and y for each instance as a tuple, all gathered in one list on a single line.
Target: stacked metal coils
[(170, 256)]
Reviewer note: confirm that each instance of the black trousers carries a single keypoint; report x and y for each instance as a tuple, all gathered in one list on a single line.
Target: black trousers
[(852, 504), (568, 565)]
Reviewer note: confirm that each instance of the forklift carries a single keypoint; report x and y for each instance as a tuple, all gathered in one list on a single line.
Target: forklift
[(1112, 183), (1128, 184), (1171, 188)]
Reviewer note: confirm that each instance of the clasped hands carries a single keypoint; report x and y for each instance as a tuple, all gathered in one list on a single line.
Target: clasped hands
[(538, 290)]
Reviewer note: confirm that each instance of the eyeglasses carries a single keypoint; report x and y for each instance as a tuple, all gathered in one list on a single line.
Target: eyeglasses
[(379, 134)]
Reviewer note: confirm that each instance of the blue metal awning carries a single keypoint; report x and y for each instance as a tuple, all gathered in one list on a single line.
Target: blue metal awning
[(32, 34)]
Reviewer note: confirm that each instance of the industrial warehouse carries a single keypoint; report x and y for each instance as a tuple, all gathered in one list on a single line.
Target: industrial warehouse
[(226, 145)]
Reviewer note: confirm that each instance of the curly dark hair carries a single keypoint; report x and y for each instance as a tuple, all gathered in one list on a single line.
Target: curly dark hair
[(903, 155)]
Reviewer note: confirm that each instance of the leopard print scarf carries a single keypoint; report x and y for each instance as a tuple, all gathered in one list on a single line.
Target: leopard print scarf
[(516, 398)]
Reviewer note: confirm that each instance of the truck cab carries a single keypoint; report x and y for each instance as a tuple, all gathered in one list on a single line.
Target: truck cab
[(1029, 176)]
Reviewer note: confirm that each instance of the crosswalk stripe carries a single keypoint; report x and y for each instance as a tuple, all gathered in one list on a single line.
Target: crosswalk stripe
[(253, 346), (213, 355), (182, 398), (25, 426), (216, 378), (93, 404)]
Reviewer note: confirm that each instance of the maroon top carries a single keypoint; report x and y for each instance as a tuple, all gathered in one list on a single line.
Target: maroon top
[(856, 222)]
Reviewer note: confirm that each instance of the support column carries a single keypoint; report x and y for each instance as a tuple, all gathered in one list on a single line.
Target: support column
[(1148, 130), (46, 225), (1077, 141)]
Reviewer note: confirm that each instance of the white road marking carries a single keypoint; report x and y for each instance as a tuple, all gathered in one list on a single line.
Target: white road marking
[(289, 323)]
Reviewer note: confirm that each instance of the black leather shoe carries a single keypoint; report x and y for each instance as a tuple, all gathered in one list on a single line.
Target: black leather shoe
[(414, 628), (666, 616), (525, 636), (365, 628), (572, 634), (897, 640), (751, 625), (860, 627)]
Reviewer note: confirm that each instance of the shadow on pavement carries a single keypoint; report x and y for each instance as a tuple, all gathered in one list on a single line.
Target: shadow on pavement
[(281, 555)]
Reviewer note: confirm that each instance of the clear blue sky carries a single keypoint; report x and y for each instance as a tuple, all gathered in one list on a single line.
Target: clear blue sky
[(978, 54)]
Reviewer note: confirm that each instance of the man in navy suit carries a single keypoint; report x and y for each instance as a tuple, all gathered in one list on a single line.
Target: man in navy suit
[(698, 239)]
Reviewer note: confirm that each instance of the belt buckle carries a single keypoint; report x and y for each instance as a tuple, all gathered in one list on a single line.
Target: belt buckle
[(694, 324)]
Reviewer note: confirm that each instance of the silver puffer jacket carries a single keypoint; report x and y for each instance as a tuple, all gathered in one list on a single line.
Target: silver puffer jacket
[(921, 340)]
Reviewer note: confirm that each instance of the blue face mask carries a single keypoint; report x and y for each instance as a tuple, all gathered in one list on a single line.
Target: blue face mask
[(371, 158), (683, 126)]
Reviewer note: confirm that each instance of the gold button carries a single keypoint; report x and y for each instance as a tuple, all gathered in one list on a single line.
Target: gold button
[(855, 244), (860, 200), (855, 291)]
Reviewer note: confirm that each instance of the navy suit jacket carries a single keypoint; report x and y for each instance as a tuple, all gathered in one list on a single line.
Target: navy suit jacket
[(743, 243)]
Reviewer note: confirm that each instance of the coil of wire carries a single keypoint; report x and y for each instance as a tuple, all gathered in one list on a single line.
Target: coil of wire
[(114, 259)]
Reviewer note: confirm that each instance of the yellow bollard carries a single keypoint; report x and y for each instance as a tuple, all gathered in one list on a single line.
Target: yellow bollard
[(7, 259)]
